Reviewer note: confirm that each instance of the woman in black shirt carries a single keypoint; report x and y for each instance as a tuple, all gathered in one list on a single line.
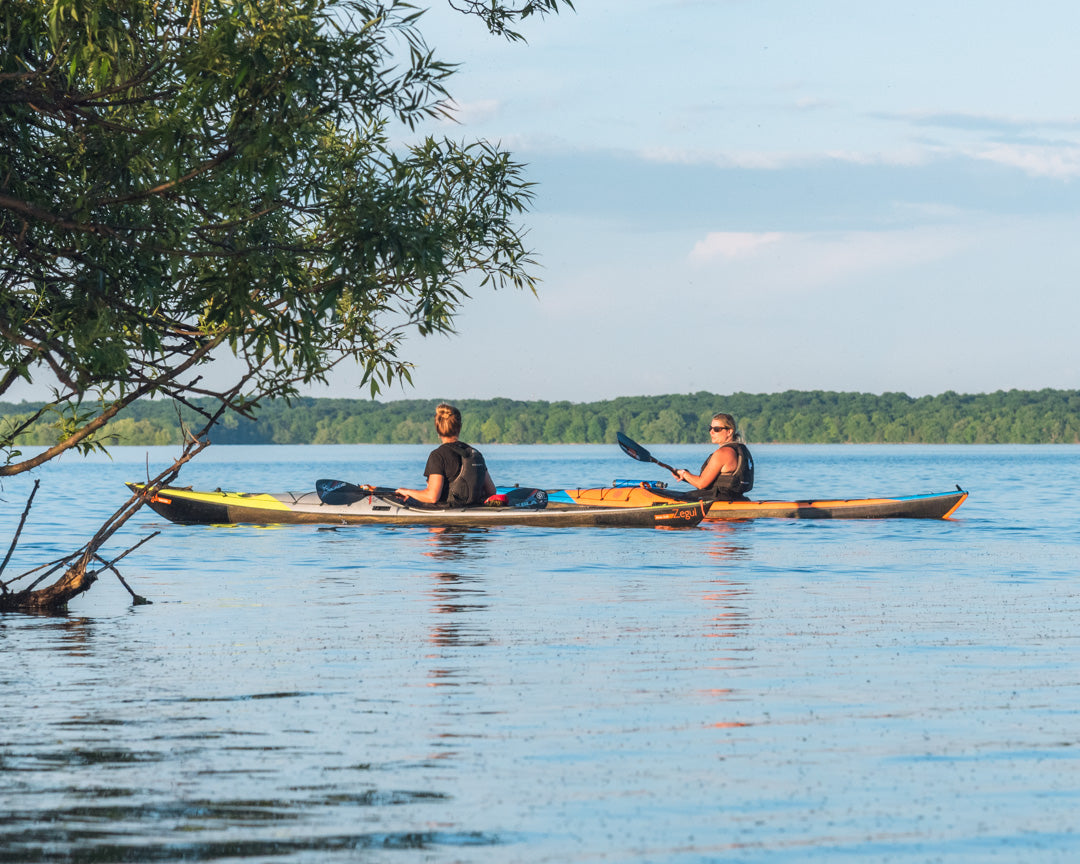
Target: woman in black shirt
[(446, 481)]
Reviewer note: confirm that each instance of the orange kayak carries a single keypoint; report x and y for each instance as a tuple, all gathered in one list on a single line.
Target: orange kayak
[(937, 505)]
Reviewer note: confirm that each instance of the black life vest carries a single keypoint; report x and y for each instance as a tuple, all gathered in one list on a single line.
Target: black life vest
[(468, 486), (733, 486)]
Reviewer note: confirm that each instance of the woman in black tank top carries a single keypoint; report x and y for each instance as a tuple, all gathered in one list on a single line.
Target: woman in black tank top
[(729, 470)]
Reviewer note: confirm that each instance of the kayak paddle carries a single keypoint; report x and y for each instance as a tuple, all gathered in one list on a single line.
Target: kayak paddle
[(636, 451), (341, 492), (338, 492)]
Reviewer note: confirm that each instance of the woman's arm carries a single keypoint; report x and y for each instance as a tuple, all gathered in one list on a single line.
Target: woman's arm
[(722, 461)]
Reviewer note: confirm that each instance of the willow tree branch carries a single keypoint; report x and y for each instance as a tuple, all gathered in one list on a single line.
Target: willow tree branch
[(103, 418)]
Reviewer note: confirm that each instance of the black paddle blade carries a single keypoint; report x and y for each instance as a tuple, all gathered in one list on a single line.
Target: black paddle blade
[(635, 451), (632, 448), (527, 499), (338, 492)]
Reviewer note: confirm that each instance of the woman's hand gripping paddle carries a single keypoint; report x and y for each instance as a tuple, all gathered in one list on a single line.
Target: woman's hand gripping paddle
[(636, 451)]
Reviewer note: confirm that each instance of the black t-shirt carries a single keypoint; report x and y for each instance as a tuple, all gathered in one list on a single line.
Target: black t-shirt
[(444, 460)]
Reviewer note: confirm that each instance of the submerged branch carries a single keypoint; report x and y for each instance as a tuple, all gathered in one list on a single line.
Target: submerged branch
[(18, 531), (137, 599)]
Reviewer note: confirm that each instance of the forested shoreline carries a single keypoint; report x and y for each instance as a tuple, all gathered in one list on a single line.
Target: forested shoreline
[(803, 417)]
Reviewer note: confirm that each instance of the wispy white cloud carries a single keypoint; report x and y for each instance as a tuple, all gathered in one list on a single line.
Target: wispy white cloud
[(1040, 147), (777, 160), (813, 103), (479, 111), (830, 258), (760, 160), (999, 123), (1058, 162), (799, 262), (731, 244)]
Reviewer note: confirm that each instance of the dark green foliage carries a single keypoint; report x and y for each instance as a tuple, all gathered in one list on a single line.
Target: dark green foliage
[(816, 417), (182, 181)]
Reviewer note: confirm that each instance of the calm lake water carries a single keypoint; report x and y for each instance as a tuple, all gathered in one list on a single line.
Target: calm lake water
[(769, 691)]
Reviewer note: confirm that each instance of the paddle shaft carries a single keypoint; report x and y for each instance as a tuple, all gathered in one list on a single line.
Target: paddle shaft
[(663, 465)]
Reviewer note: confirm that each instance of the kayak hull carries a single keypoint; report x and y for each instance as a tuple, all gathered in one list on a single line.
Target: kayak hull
[(931, 506), (934, 506), (189, 506)]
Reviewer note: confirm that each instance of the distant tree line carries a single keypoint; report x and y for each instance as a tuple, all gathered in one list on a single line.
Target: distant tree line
[(804, 417)]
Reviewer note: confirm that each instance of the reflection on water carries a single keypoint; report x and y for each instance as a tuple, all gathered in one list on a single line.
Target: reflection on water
[(448, 543), (731, 619), (728, 601), (458, 598), (68, 634), (728, 598), (728, 540), (94, 833)]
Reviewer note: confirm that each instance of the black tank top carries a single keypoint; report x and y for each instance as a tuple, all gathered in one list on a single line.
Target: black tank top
[(733, 486)]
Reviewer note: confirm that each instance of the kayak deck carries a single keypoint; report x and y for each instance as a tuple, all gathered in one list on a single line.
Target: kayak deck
[(221, 507), (937, 505)]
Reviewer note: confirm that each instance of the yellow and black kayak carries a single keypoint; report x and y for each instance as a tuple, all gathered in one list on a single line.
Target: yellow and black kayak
[(636, 494), (340, 503)]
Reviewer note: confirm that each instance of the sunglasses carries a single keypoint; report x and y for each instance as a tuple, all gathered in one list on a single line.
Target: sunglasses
[(718, 428)]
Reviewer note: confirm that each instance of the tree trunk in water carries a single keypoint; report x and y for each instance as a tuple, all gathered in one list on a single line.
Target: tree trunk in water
[(54, 598)]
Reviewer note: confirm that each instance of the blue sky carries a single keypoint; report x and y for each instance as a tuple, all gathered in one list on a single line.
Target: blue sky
[(762, 195)]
